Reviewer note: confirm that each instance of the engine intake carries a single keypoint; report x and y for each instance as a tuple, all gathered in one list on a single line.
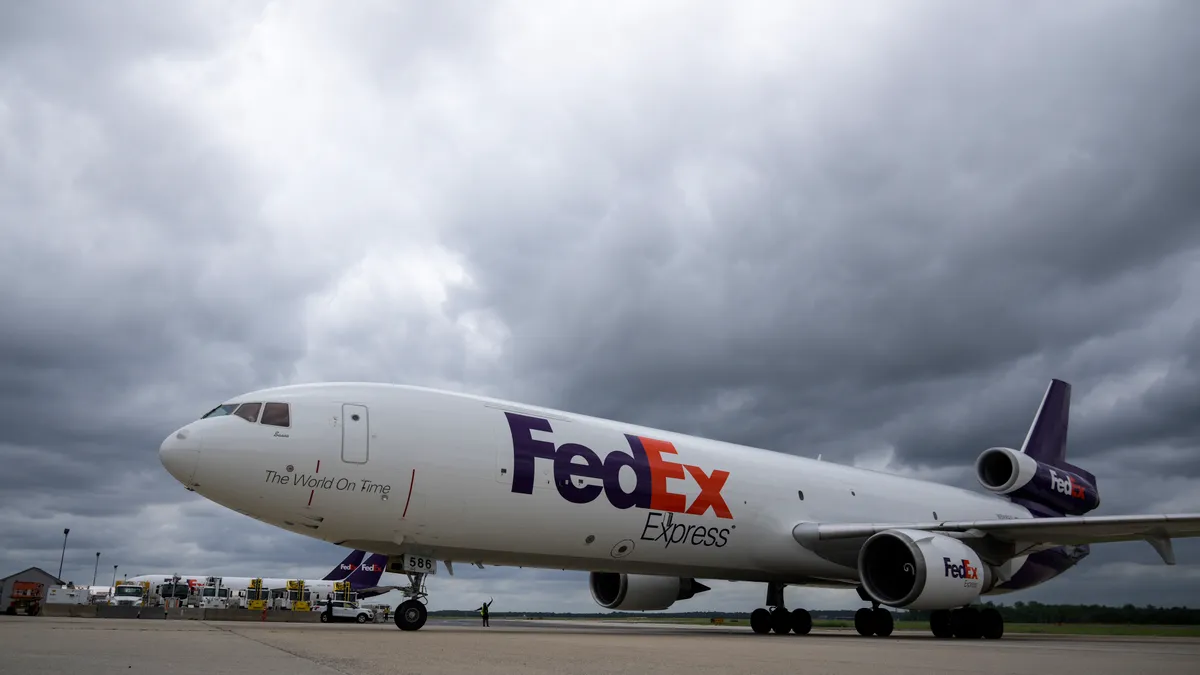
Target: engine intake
[(922, 570), (1010, 472), (640, 592)]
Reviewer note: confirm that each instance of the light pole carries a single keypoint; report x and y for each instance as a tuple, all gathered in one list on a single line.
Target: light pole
[(114, 583), (97, 570), (66, 531)]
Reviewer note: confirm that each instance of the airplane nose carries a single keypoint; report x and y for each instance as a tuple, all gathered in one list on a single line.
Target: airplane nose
[(179, 454)]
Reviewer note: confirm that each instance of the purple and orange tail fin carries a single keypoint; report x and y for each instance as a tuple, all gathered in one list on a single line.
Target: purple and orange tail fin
[(1047, 438), (369, 572)]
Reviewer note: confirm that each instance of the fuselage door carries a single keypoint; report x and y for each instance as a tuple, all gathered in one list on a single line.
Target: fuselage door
[(356, 433)]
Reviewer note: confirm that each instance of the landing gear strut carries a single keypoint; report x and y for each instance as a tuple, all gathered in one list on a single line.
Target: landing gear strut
[(775, 618), (874, 621), (411, 613), (967, 623)]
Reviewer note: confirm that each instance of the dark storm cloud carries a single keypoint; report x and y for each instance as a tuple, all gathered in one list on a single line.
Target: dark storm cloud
[(142, 288), (137, 296), (129, 264), (990, 201)]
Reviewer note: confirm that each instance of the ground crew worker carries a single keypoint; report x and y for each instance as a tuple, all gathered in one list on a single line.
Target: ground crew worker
[(483, 610)]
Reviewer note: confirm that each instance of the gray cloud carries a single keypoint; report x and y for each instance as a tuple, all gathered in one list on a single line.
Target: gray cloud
[(871, 240)]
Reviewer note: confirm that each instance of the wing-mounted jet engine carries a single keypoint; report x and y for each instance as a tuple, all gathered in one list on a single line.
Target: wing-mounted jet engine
[(913, 569), (640, 592)]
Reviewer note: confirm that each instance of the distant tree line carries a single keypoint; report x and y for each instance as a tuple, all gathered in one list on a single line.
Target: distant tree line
[(1020, 612)]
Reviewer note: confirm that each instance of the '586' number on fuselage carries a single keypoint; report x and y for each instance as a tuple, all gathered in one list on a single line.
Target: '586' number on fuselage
[(417, 563)]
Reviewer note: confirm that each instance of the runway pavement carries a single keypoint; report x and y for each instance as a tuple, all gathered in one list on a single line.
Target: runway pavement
[(54, 646)]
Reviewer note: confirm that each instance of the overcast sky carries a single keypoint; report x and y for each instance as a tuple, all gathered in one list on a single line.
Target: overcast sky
[(870, 232)]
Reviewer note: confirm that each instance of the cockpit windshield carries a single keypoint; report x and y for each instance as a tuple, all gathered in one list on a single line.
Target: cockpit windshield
[(223, 409), (248, 411), (273, 414)]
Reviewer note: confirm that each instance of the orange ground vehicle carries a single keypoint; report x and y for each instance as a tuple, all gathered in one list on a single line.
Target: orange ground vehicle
[(26, 596)]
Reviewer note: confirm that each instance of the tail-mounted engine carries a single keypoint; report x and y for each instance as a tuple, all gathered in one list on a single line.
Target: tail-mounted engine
[(639, 592), (1015, 474), (922, 570)]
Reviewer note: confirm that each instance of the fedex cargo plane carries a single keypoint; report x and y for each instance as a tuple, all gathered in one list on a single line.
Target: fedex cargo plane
[(423, 475), (363, 577)]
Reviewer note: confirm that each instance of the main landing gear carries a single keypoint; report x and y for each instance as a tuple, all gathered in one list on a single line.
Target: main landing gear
[(968, 623), (776, 618), (874, 621), (411, 613)]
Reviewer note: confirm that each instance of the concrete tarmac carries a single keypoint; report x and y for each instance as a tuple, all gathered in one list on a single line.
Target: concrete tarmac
[(54, 646)]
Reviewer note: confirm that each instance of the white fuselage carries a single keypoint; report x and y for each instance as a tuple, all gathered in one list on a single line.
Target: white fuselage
[(439, 474), (233, 584)]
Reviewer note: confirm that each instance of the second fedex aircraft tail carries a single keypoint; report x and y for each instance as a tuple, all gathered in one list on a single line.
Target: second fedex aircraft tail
[(368, 573), (346, 567)]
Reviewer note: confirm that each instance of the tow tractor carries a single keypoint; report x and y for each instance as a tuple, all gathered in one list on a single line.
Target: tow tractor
[(26, 595), (256, 595), (344, 591), (214, 595), (298, 596)]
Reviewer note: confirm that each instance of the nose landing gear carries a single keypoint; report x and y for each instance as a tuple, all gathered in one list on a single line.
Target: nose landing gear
[(411, 613)]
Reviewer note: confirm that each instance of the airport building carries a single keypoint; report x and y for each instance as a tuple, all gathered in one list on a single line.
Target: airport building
[(18, 590)]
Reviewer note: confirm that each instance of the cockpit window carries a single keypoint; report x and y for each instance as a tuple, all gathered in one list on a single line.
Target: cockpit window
[(248, 411), (220, 410), (277, 415)]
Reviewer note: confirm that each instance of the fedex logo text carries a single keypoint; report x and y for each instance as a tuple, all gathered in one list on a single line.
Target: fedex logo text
[(370, 567), (346, 567), (1067, 485), (960, 571), (646, 458)]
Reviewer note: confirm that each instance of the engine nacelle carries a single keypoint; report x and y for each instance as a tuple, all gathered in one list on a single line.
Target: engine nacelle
[(640, 592), (922, 570), (1010, 472)]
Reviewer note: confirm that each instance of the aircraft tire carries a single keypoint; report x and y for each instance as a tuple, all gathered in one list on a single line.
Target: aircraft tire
[(939, 624), (801, 621), (411, 615), (991, 624), (760, 621), (781, 621), (881, 621), (864, 622), (965, 623)]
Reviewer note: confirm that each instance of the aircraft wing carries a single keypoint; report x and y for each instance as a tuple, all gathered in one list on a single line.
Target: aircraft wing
[(1029, 534), (376, 590)]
